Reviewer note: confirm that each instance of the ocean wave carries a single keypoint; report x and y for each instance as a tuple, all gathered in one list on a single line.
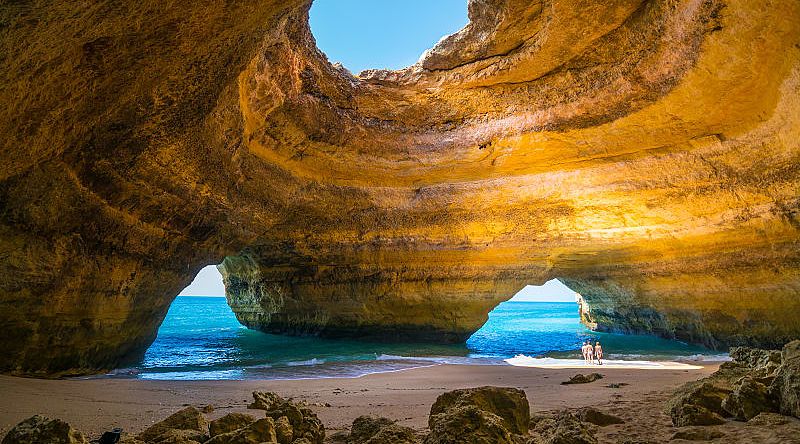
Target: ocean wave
[(307, 362), (527, 361), (720, 357)]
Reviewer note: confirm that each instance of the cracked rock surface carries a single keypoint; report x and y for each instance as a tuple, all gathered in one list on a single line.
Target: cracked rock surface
[(644, 152)]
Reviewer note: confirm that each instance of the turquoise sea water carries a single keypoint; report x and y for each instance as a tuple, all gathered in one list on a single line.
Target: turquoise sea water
[(201, 339)]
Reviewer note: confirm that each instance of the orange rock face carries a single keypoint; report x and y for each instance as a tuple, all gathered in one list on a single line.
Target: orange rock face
[(646, 153)]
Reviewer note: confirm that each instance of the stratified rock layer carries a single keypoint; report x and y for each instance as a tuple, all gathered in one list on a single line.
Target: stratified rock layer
[(646, 153)]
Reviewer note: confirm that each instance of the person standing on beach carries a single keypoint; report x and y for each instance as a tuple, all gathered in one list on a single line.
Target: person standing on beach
[(598, 353), (589, 352), (584, 346)]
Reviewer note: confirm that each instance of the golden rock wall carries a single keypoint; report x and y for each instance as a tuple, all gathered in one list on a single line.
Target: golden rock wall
[(645, 152)]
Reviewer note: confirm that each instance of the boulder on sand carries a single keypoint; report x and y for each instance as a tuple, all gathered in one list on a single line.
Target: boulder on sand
[(188, 423), (598, 417), (583, 379), (41, 430), (510, 404), (483, 415), (261, 431), (693, 414), (563, 428), (374, 430), (699, 403), (265, 400), (304, 422), (468, 424)]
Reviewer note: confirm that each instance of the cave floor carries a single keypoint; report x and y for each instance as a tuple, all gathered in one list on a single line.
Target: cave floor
[(94, 405)]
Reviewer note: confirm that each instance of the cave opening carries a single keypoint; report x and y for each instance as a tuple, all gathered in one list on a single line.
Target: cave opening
[(361, 35), (538, 319)]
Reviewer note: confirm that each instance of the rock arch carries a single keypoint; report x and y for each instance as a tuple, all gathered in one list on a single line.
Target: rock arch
[(644, 151)]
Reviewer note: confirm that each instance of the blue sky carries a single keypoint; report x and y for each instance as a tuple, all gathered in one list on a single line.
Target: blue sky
[(209, 283), (366, 34)]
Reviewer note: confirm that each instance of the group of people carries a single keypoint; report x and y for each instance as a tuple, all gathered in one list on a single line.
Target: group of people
[(592, 353)]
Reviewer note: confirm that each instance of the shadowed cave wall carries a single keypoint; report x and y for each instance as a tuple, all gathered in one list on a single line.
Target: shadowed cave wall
[(644, 152)]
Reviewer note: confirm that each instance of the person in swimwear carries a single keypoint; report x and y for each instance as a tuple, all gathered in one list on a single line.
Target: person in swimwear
[(598, 352), (589, 352)]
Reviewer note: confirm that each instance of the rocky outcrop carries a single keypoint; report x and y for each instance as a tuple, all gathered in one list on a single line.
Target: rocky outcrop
[(187, 426), (481, 415), (645, 153), (229, 423), (563, 427), (40, 430), (756, 384), (373, 430), (257, 432), (786, 385), (749, 398), (292, 421)]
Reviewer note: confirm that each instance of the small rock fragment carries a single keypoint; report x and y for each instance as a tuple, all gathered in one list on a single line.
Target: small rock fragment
[(583, 379), (265, 400), (598, 417)]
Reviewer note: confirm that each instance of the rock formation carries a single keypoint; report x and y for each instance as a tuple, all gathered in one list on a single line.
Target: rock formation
[(644, 152), (755, 385)]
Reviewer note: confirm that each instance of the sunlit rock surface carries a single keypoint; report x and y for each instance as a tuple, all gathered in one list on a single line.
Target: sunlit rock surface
[(646, 153)]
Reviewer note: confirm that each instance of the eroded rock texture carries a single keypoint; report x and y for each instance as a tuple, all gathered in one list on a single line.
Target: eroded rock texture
[(646, 152)]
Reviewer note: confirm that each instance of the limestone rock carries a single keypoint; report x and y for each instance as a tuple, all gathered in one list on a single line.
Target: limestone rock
[(265, 401), (755, 357), (260, 431), (790, 351), (339, 437), (186, 424), (769, 419), (299, 419), (127, 438), (229, 423), (563, 428), (467, 424), (697, 434), (748, 399), (374, 430), (693, 414), (700, 402), (284, 430), (786, 385), (583, 379), (615, 145), (41, 430), (597, 417), (510, 404)]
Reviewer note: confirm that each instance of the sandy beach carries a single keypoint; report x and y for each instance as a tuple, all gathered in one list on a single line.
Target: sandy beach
[(94, 405)]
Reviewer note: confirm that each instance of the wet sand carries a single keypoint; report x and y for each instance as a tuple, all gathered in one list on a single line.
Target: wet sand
[(94, 405)]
